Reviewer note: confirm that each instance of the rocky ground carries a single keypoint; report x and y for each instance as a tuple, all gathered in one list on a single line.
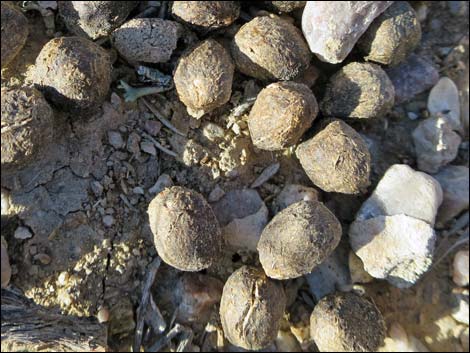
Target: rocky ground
[(76, 225)]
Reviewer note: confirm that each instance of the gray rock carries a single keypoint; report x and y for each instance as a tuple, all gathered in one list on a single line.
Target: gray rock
[(329, 276), (216, 194), (163, 181), (108, 220), (403, 190), (412, 77), (460, 274), (115, 139), (22, 233), (333, 28), (443, 100), (454, 181), (242, 215), (148, 147), (292, 193), (396, 248), (150, 40), (436, 144)]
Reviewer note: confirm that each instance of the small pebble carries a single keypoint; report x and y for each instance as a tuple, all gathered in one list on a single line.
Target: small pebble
[(153, 127), (461, 312), (97, 188), (460, 268), (22, 233), (108, 220), (443, 101), (436, 144), (115, 139), (103, 315), (292, 193), (216, 194), (138, 190), (43, 258), (454, 180), (163, 181), (148, 147), (412, 116)]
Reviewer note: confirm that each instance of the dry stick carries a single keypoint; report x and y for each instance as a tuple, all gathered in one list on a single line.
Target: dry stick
[(161, 118), (150, 278), (162, 342), (159, 146), (154, 317), (30, 327)]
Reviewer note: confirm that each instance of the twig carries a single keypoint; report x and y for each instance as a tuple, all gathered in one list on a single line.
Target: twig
[(161, 118), (163, 341), (154, 317), (159, 146), (267, 173), (150, 278), (131, 94), (460, 241)]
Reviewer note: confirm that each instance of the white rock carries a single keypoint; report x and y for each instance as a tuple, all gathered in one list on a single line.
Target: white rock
[(460, 267), (332, 28), (292, 193), (436, 144), (22, 233), (443, 100), (163, 181), (242, 215), (461, 312), (396, 248), (403, 190), (454, 181)]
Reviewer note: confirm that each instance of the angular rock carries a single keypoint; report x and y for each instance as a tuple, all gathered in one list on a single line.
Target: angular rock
[(22, 233), (356, 270), (115, 139), (454, 181), (443, 101), (403, 191), (163, 181), (242, 215), (292, 193), (396, 248), (333, 28), (412, 77), (150, 40), (436, 144)]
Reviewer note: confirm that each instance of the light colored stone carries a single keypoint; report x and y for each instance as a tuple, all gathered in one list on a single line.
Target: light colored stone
[(396, 248), (163, 181), (436, 144), (242, 215), (115, 139), (286, 342), (332, 28), (22, 233), (292, 193), (460, 268), (454, 181), (443, 100), (403, 190), (461, 312), (108, 220)]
